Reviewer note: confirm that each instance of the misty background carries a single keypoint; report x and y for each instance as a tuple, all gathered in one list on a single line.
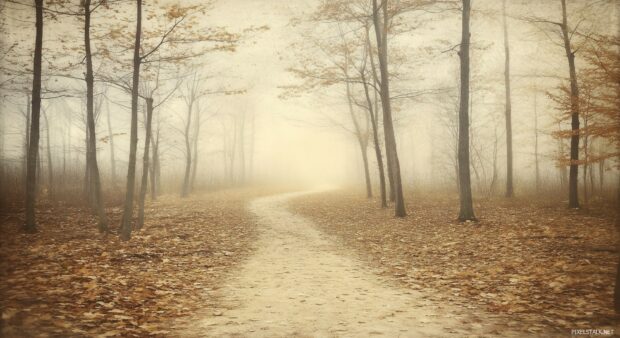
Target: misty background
[(305, 138)]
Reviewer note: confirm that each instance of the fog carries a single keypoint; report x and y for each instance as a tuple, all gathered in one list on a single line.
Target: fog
[(273, 168), (305, 138)]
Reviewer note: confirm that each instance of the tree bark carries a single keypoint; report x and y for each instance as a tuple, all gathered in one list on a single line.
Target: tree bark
[(27, 140), (390, 139), (252, 147), (362, 138), (617, 286), (2, 159), (195, 149), (155, 174), (375, 138), (94, 177), (364, 151), (145, 163), (509, 156), (133, 143), (188, 149), (233, 153), (494, 174), (33, 144), (536, 162), (573, 194), (111, 137), (586, 156), (601, 175), (376, 81), (242, 148), (50, 171), (87, 183), (466, 209)]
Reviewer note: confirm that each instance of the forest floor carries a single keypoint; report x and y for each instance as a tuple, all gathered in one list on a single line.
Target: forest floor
[(542, 267), (68, 280), (236, 263), (300, 283)]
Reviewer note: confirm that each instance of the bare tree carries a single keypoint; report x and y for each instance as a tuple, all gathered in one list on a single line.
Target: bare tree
[(190, 95), (111, 140), (195, 139), (361, 132), (573, 195), (133, 142), (509, 156), (145, 162), (93, 167), (50, 171), (147, 95), (374, 116), (466, 212), (566, 34), (381, 29), (33, 144)]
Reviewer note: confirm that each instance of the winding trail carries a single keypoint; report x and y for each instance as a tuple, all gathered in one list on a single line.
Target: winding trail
[(299, 284)]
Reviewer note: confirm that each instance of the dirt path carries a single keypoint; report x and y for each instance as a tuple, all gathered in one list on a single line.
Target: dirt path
[(298, 284)]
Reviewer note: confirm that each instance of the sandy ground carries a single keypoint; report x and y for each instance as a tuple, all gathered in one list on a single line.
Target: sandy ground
[(299, 283)]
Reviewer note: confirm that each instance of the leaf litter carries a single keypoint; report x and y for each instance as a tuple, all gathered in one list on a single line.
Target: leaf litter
[(539, 265), (68, 280)]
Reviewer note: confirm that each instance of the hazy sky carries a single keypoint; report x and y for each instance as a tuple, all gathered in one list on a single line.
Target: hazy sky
[(287, 147), (293, 139)]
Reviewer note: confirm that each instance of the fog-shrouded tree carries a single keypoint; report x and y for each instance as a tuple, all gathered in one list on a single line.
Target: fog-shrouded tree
[(508, 107), (191, 94), (566, 36), (151, 86), (33, 142), (381, 21), (167, 43), (133, 141), (92, 165), (466, 212)]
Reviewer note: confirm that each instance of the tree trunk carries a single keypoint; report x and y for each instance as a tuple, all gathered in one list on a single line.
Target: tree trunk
[(617, 286), (573, 194), (494, 175), (3, 191), (364, 150), (592, 180), (39, 171), (585, 158), (155, 187), (50, 172), (145, 163), (376, 81), (112, 157), (195, 149), (242, 148), (33, 144), (252, 147), (536, 163), (27, 140), (561, 166), (233, 153), (87, 182), (90, 117), (390, 139), (509, 183), (375, 138), (188, 149), (601, 175), (466, 209), (133, 143), (362, 139)]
